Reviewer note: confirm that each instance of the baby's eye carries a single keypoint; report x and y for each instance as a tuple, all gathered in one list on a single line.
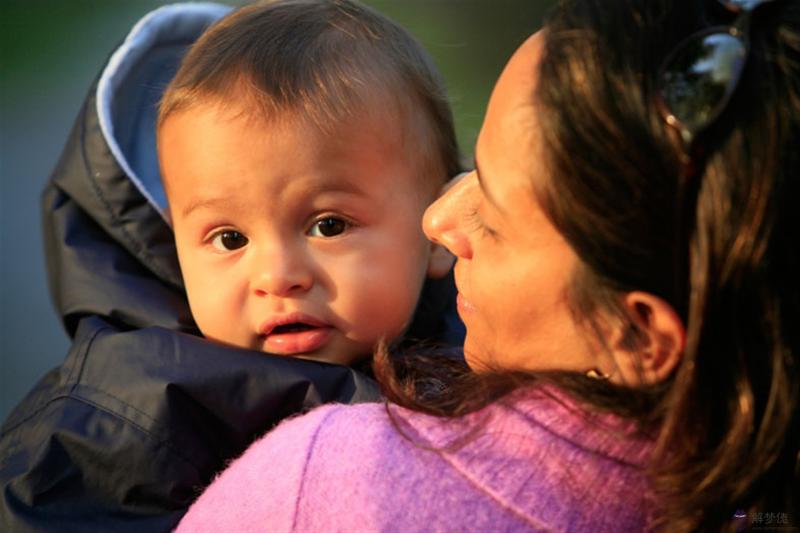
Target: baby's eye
[(228, 240), (328, 227)]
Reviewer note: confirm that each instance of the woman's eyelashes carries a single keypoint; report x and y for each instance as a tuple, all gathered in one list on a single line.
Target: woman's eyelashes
[(328, 226), (476, 223)]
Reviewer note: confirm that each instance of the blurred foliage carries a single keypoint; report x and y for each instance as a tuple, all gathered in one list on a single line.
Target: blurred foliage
[(469, 39)]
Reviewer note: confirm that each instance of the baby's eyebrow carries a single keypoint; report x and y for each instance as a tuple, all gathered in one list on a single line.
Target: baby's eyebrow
[(313, 188), (205, 203)]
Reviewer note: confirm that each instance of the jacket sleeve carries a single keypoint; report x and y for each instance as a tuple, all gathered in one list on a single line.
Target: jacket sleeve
[(129, 430)]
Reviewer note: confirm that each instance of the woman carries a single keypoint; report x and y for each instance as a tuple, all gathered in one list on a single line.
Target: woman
[(626, 263)]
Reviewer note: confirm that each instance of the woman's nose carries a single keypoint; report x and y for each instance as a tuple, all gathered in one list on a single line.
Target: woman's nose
[(280, 271), (442, 222)]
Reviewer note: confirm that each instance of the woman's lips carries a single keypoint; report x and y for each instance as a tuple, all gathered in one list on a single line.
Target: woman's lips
[(463, 305)]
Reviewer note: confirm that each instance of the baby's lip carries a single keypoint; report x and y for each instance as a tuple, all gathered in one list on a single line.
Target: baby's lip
[(268, 326)]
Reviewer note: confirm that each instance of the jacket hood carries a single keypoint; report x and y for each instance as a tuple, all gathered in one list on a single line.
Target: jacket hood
[(110, 250), (132, 83)]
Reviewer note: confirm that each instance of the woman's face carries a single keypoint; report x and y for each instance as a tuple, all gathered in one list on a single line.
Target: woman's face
[(513, 267)]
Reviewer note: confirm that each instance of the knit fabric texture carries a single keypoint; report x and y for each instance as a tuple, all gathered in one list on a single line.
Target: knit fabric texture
[(533, 461)]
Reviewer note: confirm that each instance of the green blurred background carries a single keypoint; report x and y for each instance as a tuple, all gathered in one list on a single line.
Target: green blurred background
[(50, 52)]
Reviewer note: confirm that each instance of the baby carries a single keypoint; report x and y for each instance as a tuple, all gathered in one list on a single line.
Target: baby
[(299, 144)]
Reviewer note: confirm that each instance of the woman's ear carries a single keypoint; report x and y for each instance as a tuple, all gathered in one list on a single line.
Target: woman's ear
[(648, 348)]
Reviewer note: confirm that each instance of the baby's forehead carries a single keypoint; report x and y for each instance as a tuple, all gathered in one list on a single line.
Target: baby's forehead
[(398, 125), (343, 155), (344, 149)]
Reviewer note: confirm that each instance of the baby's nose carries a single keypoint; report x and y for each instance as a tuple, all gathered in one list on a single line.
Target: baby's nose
[(281, 273)]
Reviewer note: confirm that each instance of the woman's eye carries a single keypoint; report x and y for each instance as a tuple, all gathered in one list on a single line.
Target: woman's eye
[(328, 227), (476, 223), (228, 240)]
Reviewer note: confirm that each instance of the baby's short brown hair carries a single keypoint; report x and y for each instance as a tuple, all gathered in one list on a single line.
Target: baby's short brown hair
[(321, 60)]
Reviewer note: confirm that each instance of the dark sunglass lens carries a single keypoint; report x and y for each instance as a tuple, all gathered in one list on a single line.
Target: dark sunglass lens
[(700, 77)]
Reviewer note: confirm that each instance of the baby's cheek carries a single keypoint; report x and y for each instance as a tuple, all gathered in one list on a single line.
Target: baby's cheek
[(388, 308), (208, 305), (394, 316), (203, 315)]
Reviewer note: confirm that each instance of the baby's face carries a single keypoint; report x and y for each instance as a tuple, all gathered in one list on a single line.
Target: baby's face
[(291, 241)]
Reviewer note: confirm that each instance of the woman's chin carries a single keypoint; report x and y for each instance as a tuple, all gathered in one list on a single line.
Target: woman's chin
[(476, 362)]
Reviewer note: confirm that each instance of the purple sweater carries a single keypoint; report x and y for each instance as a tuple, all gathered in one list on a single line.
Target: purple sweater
[(536, 463)]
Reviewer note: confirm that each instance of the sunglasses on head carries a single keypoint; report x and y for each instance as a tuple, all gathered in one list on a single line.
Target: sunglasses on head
[(695, 85), (699, 77)]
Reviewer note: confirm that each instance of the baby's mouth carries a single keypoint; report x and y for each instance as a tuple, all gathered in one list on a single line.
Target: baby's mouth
[(296, 338), (291, 323), (294, 327)]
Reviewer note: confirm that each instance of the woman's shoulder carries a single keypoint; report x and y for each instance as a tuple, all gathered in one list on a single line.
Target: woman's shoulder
[(265, 484), (528, 461)]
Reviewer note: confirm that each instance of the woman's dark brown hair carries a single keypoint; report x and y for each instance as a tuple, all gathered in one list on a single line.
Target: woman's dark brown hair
[(727, 422)]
